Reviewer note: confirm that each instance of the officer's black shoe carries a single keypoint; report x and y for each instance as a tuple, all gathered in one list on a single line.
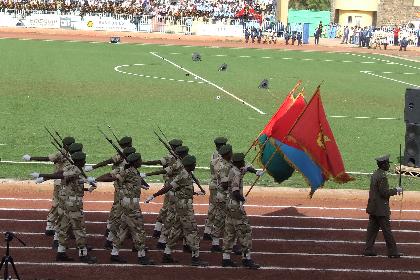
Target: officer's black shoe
[(395, 256), (207, 236), (216, 249), (49, 232), (62, 257), (160, 246), (106, 232), (89, 248), (88, 259), (370, 254), (237, 250), (228, 263), (250, 264), (186, 248), (117, 259), (108, 245), (145, 261), (156, 234), (195, 261), (167, 259), (55, 244)]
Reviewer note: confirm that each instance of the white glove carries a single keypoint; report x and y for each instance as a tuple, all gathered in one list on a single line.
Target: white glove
[(145, 187), (26, 157), (201, 193), (143, 175), (91, 180), (150, 198), (88, 168), (399, 190), (35, 175), (39, 180), (259, 173)]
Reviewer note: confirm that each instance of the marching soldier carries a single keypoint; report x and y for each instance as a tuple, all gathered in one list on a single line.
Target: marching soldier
[(222, 170), (379, 211), (219, 142), (166, 161), (182, 186), (59, 162), (131, 220), (237, 223), (70, 207)]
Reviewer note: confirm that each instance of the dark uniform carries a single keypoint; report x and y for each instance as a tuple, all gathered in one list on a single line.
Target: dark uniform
[(379, 211)]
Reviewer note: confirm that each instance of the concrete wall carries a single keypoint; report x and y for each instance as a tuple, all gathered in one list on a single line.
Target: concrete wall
[(398, 11), (357, 5), (282, 10), (359, 18)]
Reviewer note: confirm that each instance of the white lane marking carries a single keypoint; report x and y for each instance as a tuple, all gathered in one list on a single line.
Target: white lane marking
[(312, 269), (96, 42), (221, 55), (210, 83), (386, 118), (387, 72), (209, 252), (2, 144), (338, 116), (25, 39), (328, 60), (390, 79), (367, 62), (319, 241), (286, 58), (187, 46), (409, 73), (175, 53), (347, 61), (257, 206), (308, 59), (48, 40), (266, 57), (362, 117), (138, 64), (246, 56), (73, 41)]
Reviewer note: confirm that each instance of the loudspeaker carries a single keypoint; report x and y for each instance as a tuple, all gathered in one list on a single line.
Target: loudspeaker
[(196, 57), (412, 106), (412, 145), (263, 84), (115, 40)]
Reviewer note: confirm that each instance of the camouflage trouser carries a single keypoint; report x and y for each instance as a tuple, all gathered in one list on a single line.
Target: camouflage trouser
[(237, 226), (184, 225), (131, 221), (53, 213), (219, 215), (170, 217), (210, 216), (71, 218), (115, 219), (164, 210)]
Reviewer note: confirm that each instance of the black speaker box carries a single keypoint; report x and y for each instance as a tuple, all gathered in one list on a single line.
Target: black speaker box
[(412, 145), (412, 106), (115, 40)]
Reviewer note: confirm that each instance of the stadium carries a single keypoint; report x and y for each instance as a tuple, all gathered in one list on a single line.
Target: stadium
[(286, 111)]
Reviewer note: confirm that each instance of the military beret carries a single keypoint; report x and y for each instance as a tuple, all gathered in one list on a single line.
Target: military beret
[(225, 149), (175, 142), (188, 160), (68, 140), (238, 157), (182, 149), (220, 141), (382, 158), (75, 147), (126, 140), (128, 151), (78, 156), (134, 157)]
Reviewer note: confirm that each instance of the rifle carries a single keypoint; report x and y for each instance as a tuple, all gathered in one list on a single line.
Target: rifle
[(172, 152), (120, 153), (72, 163), (55, 139), (166, 138), (112, 131), (58, 134)]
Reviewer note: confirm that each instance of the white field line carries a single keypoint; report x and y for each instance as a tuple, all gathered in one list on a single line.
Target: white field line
[(209, 252), (210, 83), (391, 62), (312, 269), (390, 79)]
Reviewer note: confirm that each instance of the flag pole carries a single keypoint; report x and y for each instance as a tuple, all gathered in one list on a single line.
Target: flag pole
[(258, 177)]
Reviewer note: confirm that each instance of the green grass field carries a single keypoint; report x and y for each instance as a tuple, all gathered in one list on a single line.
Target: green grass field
[(74, 87)]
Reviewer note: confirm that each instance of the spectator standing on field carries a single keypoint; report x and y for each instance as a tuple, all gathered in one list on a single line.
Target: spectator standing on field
[(345, 35), (418, 36), (396, 34), (318, 34)]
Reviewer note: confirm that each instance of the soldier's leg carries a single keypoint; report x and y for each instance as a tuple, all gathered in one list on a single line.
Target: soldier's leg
[(62, 230), (372, 232), (161, 217), (219, 225), (210, 216), (79, 230), (118, 240), (136, 227), (114, 222), (228, 241), (52, 216), (385, 225), (174, 236)]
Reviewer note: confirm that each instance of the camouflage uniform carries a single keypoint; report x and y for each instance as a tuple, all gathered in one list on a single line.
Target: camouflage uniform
[(131, 216), (70, 209), (223, 168), (236, 223), (213, 191), (185, 224), (114, 219)]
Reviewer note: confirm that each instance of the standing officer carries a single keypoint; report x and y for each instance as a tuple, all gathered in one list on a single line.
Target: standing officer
[(378, 209), (219, 142)]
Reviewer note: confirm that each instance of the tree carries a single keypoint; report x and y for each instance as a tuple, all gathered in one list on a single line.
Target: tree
[(317, 5)]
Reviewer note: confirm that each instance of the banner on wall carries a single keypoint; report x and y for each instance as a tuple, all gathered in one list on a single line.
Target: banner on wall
[(109, 24)]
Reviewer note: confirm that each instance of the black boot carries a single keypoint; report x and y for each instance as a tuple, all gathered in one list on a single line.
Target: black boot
[(237, 250), (89, 248), (54, 245), (108, 245), (250, 264), (145, 261), (167, 258), (106, 232), (156, 234), (49, 232), (207, 236), (160, 246), (195, 261), (62, 257), (186, 248), (216, 249), (88, 259), (228, 263), (117, 259)]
